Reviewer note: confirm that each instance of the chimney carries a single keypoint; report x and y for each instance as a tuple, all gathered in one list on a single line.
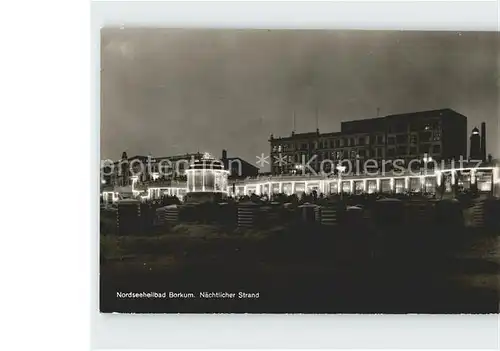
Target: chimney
[(483, 141), (224, 154)]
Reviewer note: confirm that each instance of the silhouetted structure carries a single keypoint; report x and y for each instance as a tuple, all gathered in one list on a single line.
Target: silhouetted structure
[(483, 141), (238, 167), (475, 145)]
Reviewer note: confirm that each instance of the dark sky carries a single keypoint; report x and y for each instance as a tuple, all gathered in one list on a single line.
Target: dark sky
[(169, 92)]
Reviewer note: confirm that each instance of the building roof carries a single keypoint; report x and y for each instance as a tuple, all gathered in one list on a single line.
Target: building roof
[(295, 136), (373, 124), (425, 112), (241, 160), (143, 157), (179, 156), (138, 157)]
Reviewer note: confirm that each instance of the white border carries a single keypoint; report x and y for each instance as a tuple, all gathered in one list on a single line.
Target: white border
[(45, 253), (298, 331)]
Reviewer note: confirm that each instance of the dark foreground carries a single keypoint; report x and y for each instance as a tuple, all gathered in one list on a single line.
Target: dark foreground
[(316, 273)]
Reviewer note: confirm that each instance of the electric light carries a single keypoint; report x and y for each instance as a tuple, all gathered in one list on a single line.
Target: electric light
[(284, 184), (472, 176), (496, 175), (438, 177), (427, 158)]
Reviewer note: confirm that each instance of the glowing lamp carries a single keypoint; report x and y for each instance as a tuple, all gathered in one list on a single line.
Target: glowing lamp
[(473, 176), (496, 175), (427, 158), (438, 178), (207, 156)]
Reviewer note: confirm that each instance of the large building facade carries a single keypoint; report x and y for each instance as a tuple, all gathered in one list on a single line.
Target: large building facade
[(146, 168), (437, 134)]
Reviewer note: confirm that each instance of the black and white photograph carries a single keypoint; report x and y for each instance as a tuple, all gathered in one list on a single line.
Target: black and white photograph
[(292, 171)]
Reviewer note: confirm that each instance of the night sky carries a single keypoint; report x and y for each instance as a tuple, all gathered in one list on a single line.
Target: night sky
[(169, 92)]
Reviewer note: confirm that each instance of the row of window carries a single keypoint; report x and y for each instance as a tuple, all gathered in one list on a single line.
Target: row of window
[(412, 139), (352, 167), (335, 155), (413, 150), (414, 126), (376, 152), (328, 144)]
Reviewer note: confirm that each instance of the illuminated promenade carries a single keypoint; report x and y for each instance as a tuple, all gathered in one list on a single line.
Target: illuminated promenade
[(485, 179)]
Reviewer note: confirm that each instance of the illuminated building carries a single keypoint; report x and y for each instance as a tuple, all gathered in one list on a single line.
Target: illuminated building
[(206, 180), (442, 134), (146, 168), (487, 179), (152, 178), (166, 169), (207, 175)]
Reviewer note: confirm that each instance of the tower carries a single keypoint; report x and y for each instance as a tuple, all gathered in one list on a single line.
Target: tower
[(483, 141), (224, 159), (475, 145), (124, 170)]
